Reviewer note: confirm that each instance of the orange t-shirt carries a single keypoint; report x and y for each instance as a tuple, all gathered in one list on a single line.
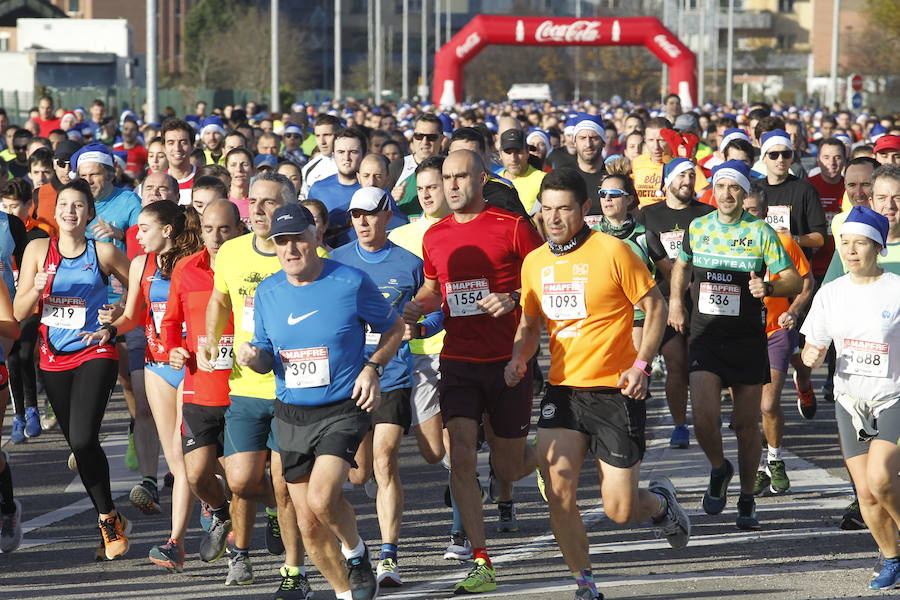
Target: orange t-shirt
[(587, 298), (46, 203), (648, 177), (775, 307)]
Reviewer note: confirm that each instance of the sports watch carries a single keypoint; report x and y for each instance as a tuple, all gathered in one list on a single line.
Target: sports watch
[(379, 369)]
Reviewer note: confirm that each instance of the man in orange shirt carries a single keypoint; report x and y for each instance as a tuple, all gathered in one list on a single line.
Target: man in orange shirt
[(585, 285), (783, 318)]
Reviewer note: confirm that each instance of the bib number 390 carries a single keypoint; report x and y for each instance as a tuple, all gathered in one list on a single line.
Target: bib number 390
[(463, 296), (866, 358), (306, 367)]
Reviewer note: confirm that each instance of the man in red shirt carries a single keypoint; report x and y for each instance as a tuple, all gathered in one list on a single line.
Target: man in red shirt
[(137, 153), (178, 143), (829, 182), (45, 120), (473, 260), (205, 393)]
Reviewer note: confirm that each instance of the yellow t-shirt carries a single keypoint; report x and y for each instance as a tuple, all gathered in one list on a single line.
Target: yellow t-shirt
[(647, 176), (409, 237), (587, 299), (528, 186), (240, 267)]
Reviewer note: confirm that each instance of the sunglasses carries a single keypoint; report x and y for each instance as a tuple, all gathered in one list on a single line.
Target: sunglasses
[(62, 164), (532, 148), (612, 194), (357, 213), (18, 148), (292, 135), (782, 153), (431, 137)]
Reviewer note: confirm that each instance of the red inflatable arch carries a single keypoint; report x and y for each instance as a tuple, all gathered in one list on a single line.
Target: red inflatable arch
[(559, 31)]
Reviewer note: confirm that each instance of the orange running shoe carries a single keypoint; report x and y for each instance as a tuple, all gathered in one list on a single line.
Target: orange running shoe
[(115, 530)]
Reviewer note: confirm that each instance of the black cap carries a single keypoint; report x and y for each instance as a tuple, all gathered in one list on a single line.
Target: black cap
[(65, 149), (291, 219), (512, 139)]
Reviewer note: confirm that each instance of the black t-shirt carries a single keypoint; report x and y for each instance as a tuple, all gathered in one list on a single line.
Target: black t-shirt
[(592, 180), (496, 193), (665, 230), (560, 157), (806, 214)]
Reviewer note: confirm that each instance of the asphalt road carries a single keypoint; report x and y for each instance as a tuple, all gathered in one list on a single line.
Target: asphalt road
[(800, 553)]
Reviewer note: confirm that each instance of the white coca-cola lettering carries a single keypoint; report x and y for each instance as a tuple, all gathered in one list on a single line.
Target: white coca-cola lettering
[(467, 45), (577, 31), (668, 47)]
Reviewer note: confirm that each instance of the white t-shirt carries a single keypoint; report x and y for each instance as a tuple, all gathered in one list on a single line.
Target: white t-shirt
[(863, 321), (319, 167)]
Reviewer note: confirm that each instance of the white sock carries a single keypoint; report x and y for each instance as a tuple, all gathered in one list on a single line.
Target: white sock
[(355, 552), (348, 595), (773, 454), (302, 569)]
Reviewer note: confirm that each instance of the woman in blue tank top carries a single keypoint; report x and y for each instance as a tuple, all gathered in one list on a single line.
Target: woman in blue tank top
[(67, 278), (166, 234)]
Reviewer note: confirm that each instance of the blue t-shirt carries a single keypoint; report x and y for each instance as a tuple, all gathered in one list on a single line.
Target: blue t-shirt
[(120, 209), (336, 197), (398, 275), (316, 332)]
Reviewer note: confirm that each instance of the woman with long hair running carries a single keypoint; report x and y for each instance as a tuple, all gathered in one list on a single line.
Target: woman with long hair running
[(67, 278), (166, 233)]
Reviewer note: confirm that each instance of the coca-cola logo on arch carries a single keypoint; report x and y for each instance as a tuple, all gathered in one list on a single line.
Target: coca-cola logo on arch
[(469, 43), (577, 31)]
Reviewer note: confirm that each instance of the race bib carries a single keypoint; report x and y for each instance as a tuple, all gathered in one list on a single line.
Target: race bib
[(720, 299), (866, 358), (158, 309), (563, 301), (64, 313), (372, 338), (671, 241), (247, 322), (462, 296), (306, 368), (779, 217), (224, 358)]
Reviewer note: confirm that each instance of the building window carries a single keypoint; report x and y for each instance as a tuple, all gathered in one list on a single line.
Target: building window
[(74, 6), (4, 41), (786, 6)]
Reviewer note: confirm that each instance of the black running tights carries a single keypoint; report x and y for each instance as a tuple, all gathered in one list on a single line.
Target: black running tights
[(21, 364), (79, 397)]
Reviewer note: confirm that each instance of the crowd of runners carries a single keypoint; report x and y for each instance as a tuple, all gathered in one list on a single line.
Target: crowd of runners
[(284, 297)]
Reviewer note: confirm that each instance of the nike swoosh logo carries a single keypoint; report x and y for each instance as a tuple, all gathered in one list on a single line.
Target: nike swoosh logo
[(293, 321)]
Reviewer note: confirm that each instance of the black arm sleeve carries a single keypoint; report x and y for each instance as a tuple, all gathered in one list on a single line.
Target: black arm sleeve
[(20, 237)]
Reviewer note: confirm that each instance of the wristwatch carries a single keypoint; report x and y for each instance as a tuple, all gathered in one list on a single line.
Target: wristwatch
[(379, 369), (515, 297), (643, 367)]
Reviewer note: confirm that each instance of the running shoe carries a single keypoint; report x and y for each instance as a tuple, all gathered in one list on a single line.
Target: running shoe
[(11, 529), (363, 585), (48, 419), (145, 497), (170, 555), (32, 422), (541, 484), (658, 370), (880, 562), (131, 457), (459, 548), (371, 488), (852, 519), (205, 516), (387, 574), (681, 437), (481, 578), (17, 436), (806, 400), (780, 484), (240, 571), (675, 525), (715, 496), (294, 585), (746, 517), (215, 540), (585, 593), (763, 481), (72, 463), (889, 575), (115, 532), (507, 522), (274, 545)]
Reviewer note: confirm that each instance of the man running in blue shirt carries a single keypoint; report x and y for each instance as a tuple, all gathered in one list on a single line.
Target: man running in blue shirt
[(325, 387), (398, 275)]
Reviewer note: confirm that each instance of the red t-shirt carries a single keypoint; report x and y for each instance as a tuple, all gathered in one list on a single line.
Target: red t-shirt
[(184, 187), (830, 195), (137, 157), (469, 261), (190, 288), (47, 126), (132, 247)]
